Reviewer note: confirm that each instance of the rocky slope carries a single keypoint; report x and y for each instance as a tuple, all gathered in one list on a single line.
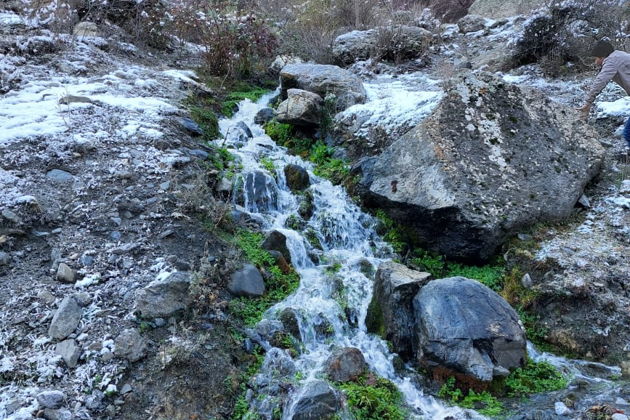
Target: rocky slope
[(98, 174)]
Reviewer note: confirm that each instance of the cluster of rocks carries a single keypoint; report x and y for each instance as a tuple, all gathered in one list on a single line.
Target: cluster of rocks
[(451, 325)]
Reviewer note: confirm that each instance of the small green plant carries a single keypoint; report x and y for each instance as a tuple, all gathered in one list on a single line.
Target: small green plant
[(482, 402), (207, 120), (278, 285), (372, 398), (268, 165), (393, 233), (220, 158), (280, 133), (533, 378), (333, 269), (242, 91)]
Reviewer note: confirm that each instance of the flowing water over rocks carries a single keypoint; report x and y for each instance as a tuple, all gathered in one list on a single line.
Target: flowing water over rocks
[(329, 308)]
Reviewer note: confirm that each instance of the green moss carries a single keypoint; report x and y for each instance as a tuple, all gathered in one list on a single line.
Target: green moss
[(334, 268), (392, 232), (268, 165), (280, 133), (241, 92), (372, 398), (483, 402), (207, 121), (535, 377), (278, 285), (374, 321), (220, 158)]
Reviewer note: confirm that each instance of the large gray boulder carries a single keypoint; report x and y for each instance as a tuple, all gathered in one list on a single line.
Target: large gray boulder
[(390, 43), (317, 401), (471, 23), (464, 326), (492, 159), (324, 79), (346, 364), (300, 108), (163, 298), (390, 312)]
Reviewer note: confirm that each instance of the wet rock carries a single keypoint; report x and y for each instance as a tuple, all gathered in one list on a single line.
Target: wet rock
[(316, 401), (224, 186), (51, 399), (5, 258), (463, 325), (307, 206), (324, 79), (57, 175), (277, 241), (471, 23), (130, 345), (191, 127), (297, 177), (245, 128), (345, 364), (85, 29), (247, 282), (472, 174), (267, 329), (561, 409), (65, 274), (165, 297), (295, 222), (264, 116), (281, 262), (390, 313), (289, 320), (69, 352), (300, 108), (66, 319), (261, 191)]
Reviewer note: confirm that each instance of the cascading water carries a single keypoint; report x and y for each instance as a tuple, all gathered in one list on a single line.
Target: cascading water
[(350, 243)]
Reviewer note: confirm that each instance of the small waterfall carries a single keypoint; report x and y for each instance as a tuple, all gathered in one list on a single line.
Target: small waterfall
[(350, 244)]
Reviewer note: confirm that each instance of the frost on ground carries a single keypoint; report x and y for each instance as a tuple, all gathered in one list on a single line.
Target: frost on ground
[(92, 156)]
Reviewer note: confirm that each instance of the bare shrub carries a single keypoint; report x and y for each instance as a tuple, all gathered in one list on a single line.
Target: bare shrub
[(448, 10), (566, 32)]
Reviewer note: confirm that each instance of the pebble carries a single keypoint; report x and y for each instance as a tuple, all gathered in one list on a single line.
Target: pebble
[(11, 217), (561, 409), (51, 399), (5, 258), (126, 389), (130, 345), (526, 281), (58, 175), (115, 235), (65, 274), (618, 416)]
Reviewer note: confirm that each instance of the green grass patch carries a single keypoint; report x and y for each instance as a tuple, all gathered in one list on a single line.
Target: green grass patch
[(278, 285), (372, 398), (483, 402), (535, 377), (241, 92), (207, 121), (326, 166), (268, 165)]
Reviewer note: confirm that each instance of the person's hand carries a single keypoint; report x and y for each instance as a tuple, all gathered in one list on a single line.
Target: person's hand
[(584, 111)]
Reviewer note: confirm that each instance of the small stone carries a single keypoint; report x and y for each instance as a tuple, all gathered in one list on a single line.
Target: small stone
[(164, 297), (46, 296), (83, 299), (247, 282), (11, 217), (191, 127), (107, 355), (58, 175), (526, 281), (65, 274), (159, 322), (224, 186), (296, 177), (61, 414), (5, 258), (115, 235), (69, 352), (51, 399), (126, 389), (561, 409), (619, 416), (66, 319), (584, 201), (85, 29), (130, 345)]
